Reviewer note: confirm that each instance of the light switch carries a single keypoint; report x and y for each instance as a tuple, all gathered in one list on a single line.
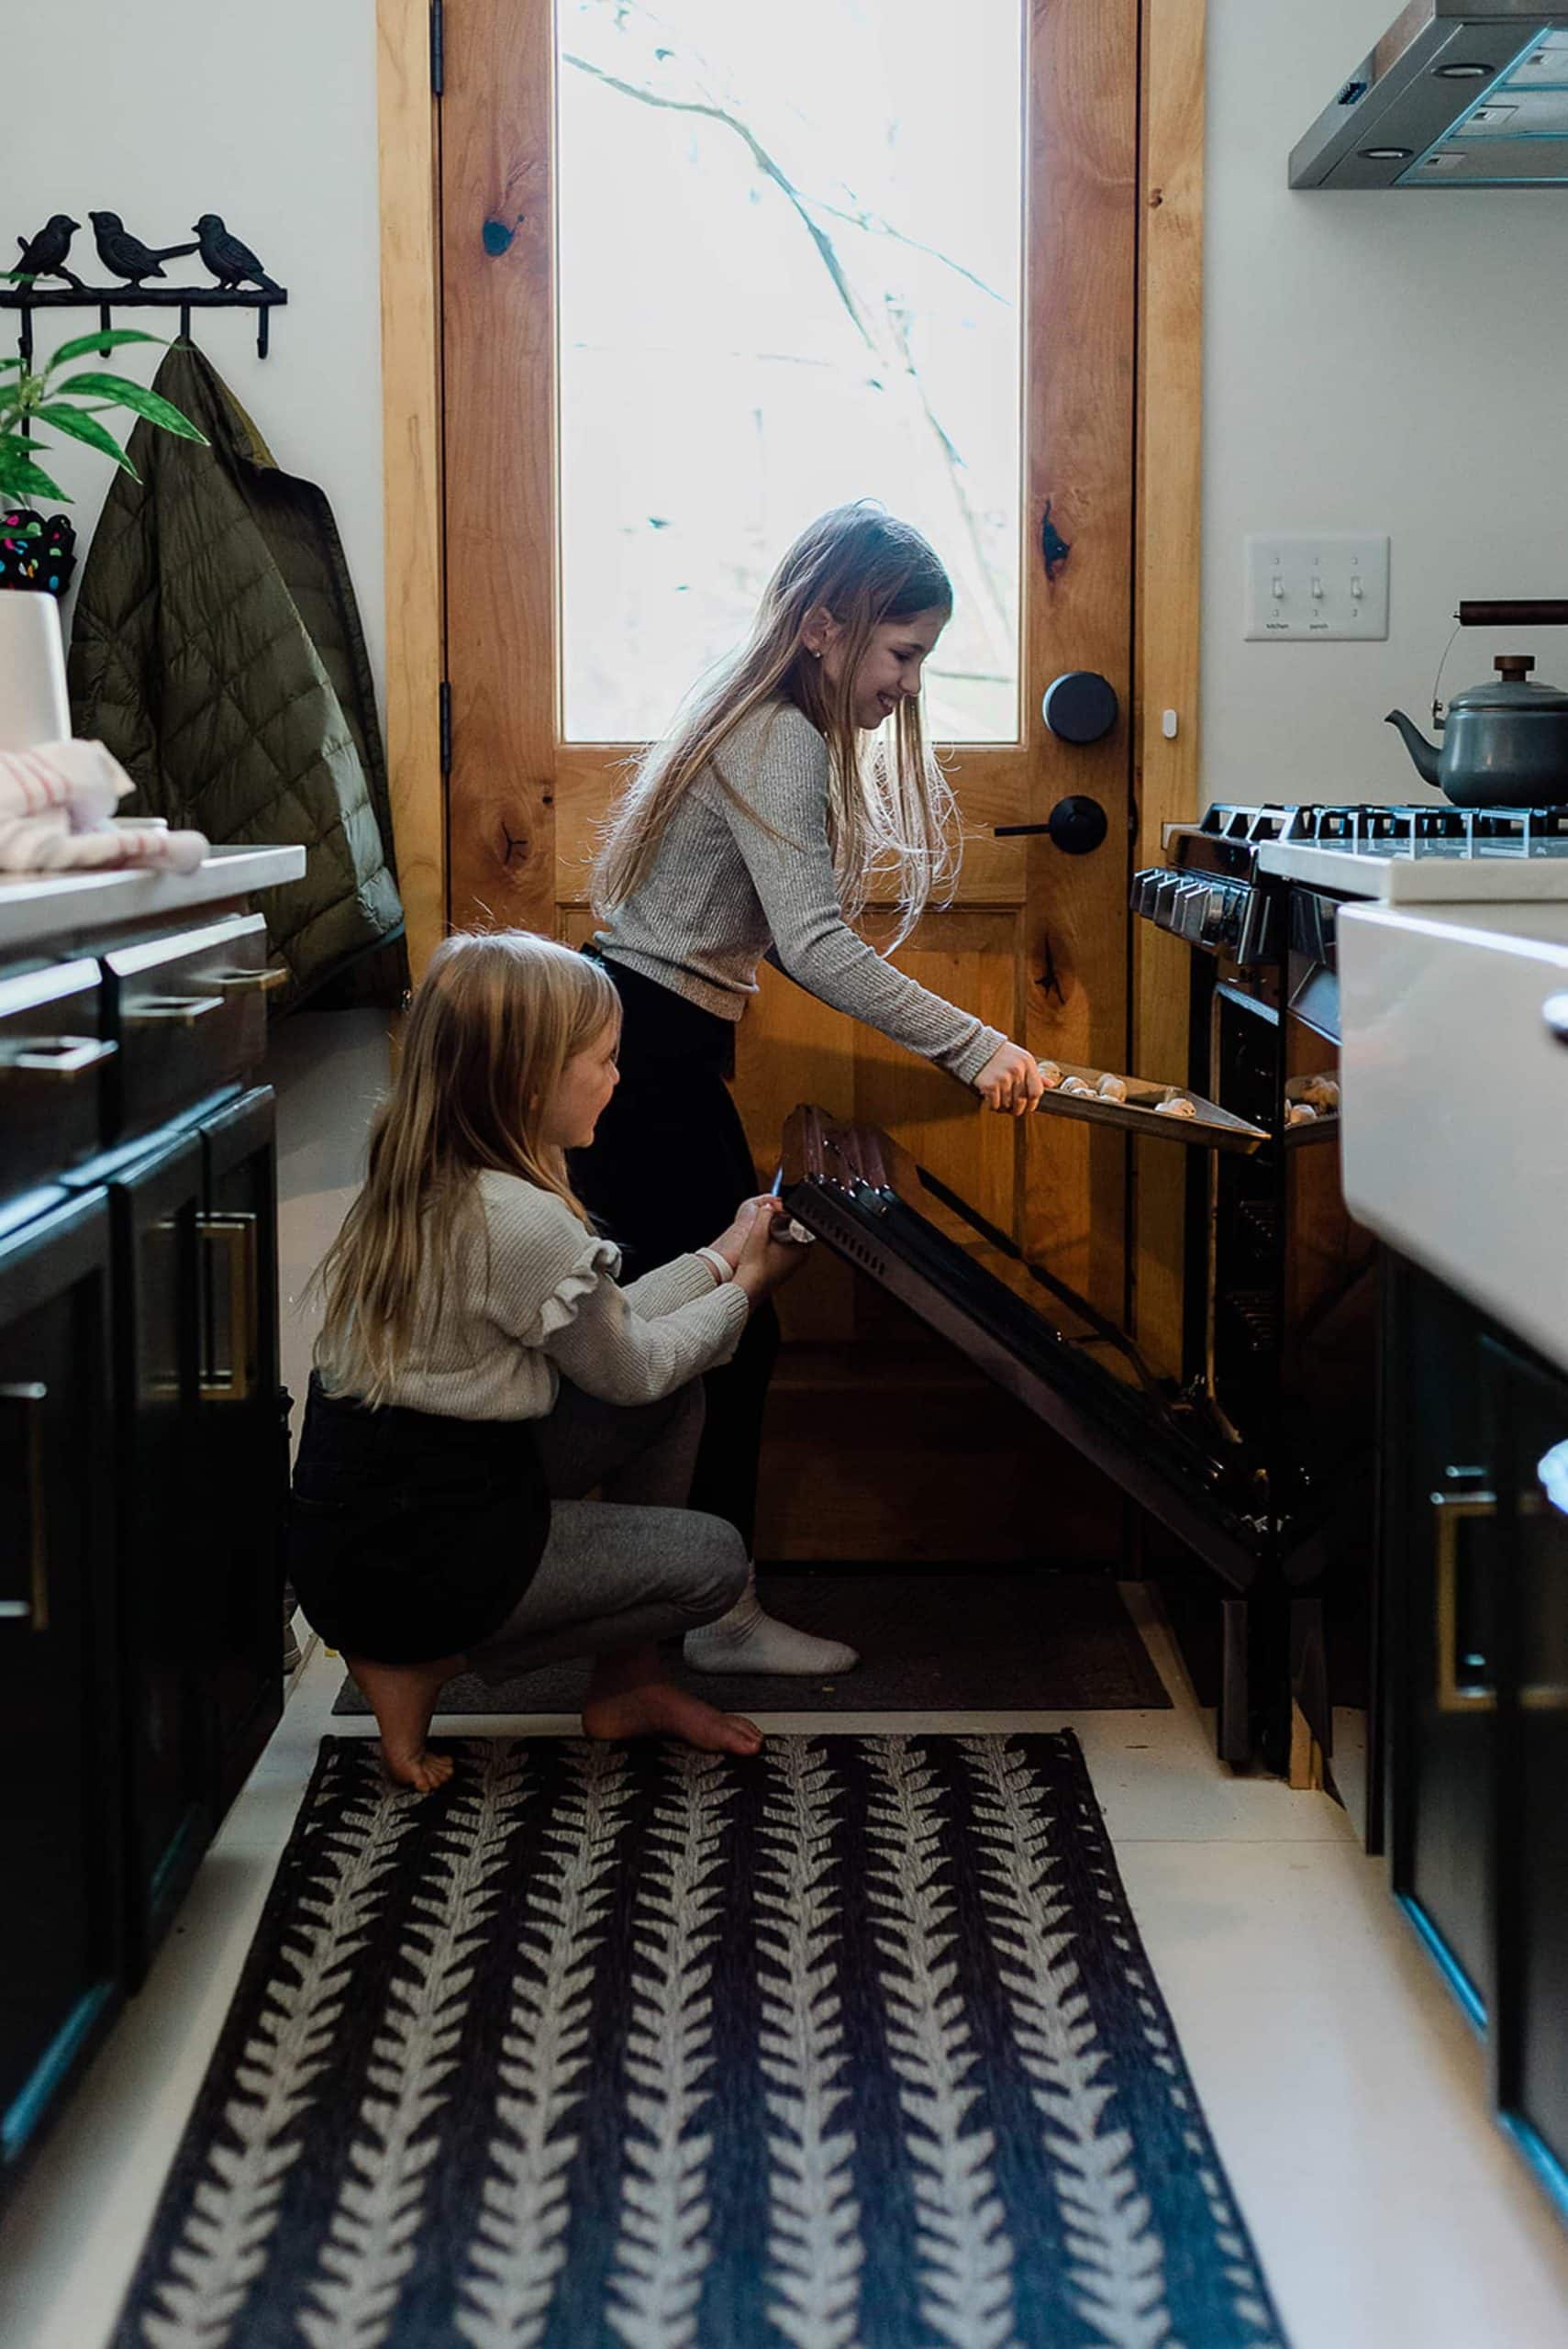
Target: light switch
[(1332, 586)]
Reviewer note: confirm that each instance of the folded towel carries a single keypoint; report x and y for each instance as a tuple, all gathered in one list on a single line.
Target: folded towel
[(56, 815)]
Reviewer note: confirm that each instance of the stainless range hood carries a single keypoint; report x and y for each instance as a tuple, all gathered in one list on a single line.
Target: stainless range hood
[(1453, 95)]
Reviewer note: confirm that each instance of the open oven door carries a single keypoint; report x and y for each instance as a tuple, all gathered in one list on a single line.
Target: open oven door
[(854, 1188)]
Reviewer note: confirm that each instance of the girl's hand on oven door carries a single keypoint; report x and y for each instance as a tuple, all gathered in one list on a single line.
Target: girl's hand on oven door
[(767, 1259), (1010, 1081), (730, 1243)]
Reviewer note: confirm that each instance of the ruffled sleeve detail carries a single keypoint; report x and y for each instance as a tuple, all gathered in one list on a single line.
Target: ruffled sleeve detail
[(598, 1261)]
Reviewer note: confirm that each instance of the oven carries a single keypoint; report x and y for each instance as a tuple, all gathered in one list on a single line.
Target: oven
[(1254, 1467)]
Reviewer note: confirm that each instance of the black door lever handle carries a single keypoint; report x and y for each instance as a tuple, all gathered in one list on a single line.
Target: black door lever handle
[(1077, 825)]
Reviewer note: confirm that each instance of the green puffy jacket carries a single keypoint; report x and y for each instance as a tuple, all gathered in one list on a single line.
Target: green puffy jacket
[(218, 651)]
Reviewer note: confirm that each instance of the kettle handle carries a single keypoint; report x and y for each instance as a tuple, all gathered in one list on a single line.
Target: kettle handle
[(1540, 611)]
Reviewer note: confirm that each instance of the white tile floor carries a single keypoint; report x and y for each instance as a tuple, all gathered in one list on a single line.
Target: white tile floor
[(1344, 2090)]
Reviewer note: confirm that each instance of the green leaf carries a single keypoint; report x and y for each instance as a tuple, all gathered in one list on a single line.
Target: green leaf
[(141, 402), (88, 429), (7, 364), (20, 479), (85, 345)]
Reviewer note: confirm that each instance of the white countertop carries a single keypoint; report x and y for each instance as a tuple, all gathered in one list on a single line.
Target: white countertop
[(38, 906), (1455, 1099), (1418, 880)]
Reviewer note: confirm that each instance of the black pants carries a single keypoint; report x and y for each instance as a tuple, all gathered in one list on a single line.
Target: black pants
[(667, 1170)]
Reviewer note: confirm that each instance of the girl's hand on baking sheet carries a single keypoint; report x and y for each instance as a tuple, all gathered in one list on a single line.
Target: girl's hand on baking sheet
[(767, 1257), (1010, 1081), (730, 1243)]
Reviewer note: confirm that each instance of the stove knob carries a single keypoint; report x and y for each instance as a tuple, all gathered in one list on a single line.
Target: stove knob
[(1166, 891), (1145, 891), (1192, 910), (1222, 922)]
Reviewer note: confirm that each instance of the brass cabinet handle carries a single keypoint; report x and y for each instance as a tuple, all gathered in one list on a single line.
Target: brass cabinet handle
[(169, 1010), (28, 1396), (247, 982), (65, 1058), (1448, 1510), (237, 1237)]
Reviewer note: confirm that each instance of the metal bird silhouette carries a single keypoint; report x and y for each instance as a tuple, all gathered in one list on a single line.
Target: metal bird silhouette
[(125, 255), (230, 261), (44, 255)]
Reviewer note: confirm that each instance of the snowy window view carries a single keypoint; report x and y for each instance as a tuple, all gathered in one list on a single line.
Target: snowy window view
[(789, 269)]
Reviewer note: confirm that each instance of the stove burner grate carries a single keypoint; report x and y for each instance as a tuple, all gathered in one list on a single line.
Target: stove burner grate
[(1374, 830)]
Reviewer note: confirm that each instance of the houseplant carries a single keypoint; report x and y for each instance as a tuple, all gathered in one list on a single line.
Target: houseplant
[(33, 701), (71, 407)]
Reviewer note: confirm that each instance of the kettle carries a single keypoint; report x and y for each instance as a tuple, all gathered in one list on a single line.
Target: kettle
[(1504, 743)]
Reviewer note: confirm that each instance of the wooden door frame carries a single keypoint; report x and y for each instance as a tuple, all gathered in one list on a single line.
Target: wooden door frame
[(1169, 450), (1168, 493)]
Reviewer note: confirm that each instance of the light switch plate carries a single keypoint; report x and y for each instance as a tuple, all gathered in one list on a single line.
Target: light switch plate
[(1329, 588)]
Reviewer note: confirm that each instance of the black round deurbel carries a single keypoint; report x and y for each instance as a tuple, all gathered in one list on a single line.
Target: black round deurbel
[(1077, 825), (1081, 706)]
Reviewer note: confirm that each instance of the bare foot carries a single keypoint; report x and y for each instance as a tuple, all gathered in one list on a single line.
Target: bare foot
[(424, 1771), (659, 1708), (404, 1696)]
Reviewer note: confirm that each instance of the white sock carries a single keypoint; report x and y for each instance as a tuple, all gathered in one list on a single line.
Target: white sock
[(745, 1639)]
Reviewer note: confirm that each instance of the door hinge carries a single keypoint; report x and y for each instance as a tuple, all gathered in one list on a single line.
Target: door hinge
[(445, 724), (438, 46)]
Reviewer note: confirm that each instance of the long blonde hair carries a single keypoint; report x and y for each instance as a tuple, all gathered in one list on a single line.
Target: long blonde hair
[(495, 1022), (892, 821)]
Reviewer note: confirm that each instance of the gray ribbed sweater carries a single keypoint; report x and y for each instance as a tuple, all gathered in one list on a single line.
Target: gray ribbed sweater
[(533, 1293), (724, 890)]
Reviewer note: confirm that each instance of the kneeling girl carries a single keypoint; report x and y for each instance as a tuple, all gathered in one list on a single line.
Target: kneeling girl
[(479, 1371)]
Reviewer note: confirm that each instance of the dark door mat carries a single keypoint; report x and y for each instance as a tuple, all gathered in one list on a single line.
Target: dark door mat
[(955, 1641)]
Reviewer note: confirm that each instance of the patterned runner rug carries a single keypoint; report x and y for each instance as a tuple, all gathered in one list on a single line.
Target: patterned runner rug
[(849, 2046)]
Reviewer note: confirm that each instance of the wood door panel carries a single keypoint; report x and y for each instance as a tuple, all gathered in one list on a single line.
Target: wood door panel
[(1035, 942), (498, 257)]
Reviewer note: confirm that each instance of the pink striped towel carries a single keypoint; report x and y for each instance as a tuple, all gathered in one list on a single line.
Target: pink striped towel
[(57, 805)]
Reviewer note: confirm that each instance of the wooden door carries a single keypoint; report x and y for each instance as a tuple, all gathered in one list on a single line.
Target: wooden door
[(1036, 940)]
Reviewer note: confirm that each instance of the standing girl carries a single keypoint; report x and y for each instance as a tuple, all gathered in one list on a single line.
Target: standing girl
[(758, 828), (479, 1371)]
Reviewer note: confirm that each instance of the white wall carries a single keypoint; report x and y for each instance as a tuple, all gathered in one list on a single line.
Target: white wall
[(161, 110), (164, 109), (1390, 363)]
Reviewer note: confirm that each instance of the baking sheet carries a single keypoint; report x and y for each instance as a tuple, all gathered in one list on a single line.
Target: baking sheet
[(1210, 1127)]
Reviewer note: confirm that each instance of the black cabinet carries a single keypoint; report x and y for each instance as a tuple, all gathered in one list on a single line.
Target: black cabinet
[(1439, 1542), (201, 1474), (155, 1205), (242, 1437), (1527, 1413), (1474, 1530), (61, 1841), (143, 1463)]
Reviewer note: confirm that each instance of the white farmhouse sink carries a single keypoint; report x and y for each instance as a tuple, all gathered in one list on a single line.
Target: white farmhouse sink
[(1455, 1099)]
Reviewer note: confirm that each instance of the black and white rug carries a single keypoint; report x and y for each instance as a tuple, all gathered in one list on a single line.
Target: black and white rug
[(849, 2046)]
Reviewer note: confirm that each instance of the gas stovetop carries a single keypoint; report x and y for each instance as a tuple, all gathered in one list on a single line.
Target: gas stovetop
[(1373, 830), (1402, 856)]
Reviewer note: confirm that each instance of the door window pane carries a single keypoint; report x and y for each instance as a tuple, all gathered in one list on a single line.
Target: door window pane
[(789, 265)]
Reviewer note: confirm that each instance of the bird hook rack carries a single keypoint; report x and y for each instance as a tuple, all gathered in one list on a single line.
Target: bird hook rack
[(241, 283)]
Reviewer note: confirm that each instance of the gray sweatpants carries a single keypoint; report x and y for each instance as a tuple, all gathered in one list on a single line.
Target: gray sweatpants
[(633, 1567)]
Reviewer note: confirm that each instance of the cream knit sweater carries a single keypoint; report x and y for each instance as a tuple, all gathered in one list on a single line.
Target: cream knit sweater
[(533, 1294), (733, 882)]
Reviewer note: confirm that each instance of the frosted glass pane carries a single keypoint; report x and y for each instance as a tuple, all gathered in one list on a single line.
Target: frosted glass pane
[(789, 263)]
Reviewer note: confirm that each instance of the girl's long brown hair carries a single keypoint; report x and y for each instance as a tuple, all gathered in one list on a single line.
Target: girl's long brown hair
[(495, 1020), (890, 818)]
